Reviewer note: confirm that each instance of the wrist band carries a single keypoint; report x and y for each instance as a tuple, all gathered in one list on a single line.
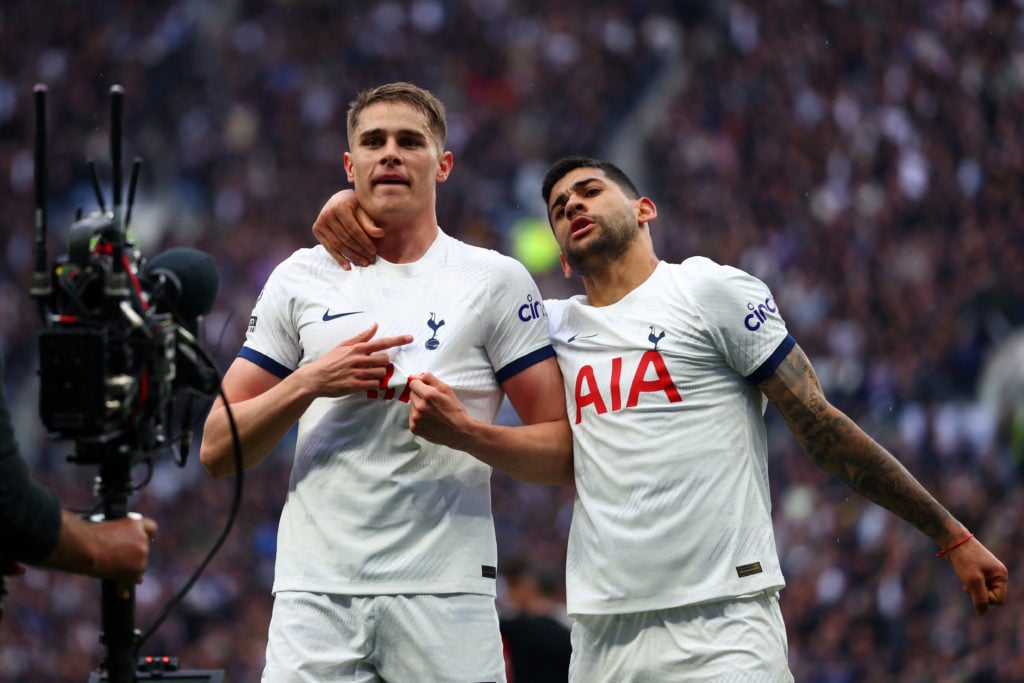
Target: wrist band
[(955, 545)]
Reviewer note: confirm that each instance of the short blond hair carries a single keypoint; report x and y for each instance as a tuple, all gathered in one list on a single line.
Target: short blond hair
[(400, 91)]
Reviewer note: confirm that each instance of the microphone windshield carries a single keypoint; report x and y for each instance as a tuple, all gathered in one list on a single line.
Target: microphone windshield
[(191, 281)]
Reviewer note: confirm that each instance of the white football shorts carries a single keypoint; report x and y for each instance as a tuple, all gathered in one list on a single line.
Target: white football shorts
[(317, 638), (740, 639)]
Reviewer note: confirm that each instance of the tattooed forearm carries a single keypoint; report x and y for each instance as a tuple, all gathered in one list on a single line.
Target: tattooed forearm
[(837, 445)]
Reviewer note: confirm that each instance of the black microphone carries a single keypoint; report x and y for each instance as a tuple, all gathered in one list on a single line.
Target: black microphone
[(184, 281)]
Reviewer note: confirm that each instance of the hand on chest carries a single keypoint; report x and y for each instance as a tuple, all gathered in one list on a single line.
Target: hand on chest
[(445, 331)]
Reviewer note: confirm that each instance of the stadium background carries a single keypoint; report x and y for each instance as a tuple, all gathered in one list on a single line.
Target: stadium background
[(864, 159)]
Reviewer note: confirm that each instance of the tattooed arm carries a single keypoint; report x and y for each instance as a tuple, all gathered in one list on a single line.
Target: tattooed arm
[(837, 445)]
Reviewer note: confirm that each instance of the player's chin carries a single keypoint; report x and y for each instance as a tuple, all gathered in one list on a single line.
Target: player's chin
[(392, 202)]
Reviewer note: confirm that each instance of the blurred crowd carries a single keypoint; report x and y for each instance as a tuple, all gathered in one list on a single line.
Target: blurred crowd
[(866, 159)]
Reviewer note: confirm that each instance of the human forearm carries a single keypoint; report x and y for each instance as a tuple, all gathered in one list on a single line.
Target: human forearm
[(116, 549), (836, 444), (538, 453), (261, 422), (265, 407), (876, 474), (77, 547), (29, 515), (841, 448)]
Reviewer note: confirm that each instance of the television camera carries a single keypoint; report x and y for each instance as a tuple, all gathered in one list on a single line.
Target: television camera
[(119, 344)]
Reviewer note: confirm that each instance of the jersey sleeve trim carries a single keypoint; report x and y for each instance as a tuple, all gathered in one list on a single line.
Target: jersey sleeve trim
[(265, 362), (774, 360), (520, 364)]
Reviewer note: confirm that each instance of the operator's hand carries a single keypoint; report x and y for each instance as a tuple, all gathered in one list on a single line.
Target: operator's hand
[(435, 413), (354, 365), (346, 231), (14, 569), (983, 576), (120, 550)]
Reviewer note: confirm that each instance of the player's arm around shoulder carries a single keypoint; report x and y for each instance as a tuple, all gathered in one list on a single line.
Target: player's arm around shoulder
[(840, 447), (538, 451)]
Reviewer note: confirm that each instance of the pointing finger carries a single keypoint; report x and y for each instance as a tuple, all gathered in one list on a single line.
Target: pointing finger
[(363, 336), (376, 345)]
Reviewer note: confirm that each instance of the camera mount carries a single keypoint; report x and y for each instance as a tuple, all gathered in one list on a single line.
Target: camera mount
[(115, 350)]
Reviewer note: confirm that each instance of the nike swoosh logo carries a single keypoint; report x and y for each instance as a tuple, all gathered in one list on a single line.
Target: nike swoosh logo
[(328, 317), (580, 336)]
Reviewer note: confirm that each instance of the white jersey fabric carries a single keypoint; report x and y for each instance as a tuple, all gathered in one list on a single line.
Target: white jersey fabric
[(672, 502), (371, 508)]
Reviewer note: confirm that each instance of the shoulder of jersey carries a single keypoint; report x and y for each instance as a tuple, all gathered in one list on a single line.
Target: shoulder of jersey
[(698, 264), (473, 251)]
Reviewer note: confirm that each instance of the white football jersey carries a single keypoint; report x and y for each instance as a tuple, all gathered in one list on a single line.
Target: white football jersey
[(672, 501), (371, 508)]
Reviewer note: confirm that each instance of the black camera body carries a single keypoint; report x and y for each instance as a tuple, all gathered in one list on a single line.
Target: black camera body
[(107, 357), (118, 335)]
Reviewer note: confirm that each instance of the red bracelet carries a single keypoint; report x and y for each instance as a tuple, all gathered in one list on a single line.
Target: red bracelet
[(954, 546)]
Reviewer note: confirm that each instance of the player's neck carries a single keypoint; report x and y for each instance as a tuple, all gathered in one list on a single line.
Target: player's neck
[(407, 241), (620, 277)]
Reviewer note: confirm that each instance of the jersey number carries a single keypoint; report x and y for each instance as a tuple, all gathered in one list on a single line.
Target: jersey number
[(389, 392)]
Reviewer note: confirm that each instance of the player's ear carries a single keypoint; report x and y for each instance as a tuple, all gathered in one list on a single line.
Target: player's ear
[(447, 162), (566, 268), (347, 161), (645, 209)]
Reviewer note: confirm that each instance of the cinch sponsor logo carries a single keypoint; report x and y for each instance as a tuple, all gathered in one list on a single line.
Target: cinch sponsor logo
[(531, 310), (759, 313)]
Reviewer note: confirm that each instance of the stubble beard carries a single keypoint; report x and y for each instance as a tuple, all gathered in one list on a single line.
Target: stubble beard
[(612, 240)]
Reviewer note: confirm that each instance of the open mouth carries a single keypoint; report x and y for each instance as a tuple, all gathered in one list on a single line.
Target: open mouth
[(390, 180), (580, 225)]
